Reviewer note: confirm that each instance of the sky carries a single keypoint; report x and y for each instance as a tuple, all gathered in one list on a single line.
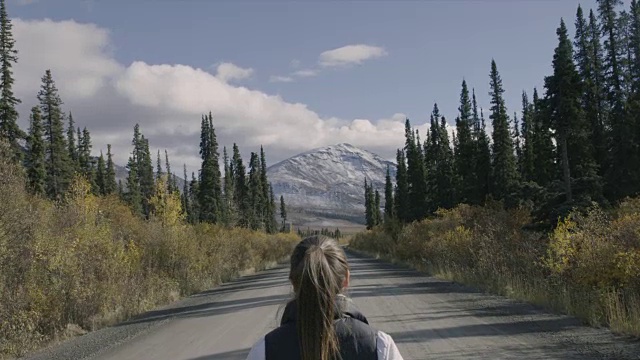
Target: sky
[(288, 75)]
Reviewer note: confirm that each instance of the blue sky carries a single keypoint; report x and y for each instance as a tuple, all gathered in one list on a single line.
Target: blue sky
[(428, 48)]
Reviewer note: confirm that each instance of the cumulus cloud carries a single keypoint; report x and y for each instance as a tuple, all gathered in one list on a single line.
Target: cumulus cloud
[(109, 98), (350, 55), (305, 73), (280, 79), (228, 71)]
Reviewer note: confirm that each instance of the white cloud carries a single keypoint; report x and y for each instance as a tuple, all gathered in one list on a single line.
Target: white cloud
[(295, 63), (26, 2), (305, 73), (279, 78), (167, 101), (350, 55), (228, 71)]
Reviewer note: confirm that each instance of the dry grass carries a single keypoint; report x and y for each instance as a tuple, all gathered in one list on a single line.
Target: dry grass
[(588, 267), (89, 262)]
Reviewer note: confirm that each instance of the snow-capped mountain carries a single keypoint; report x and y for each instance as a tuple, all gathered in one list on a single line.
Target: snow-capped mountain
[(329, 181)]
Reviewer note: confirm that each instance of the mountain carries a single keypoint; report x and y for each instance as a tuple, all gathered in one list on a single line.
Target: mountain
[(328, 183)]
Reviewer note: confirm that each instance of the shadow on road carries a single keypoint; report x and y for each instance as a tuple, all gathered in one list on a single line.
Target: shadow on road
[(229, 355)]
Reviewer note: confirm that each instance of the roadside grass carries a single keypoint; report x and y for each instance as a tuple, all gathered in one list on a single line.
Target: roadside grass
[(588, 267), (88, 262)]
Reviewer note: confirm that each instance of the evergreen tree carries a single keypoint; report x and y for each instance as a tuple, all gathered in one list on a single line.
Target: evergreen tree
[(517, 143), (110, 186), (417, 184), (145, 168), (35, 161), (445, 169), (283, 212), (158, 166), (483, 156), (72, 145), (563, 97), (272, 205), (194, 216), (101, 177), (504, 172), (267, 212), (133, 195), (85, 164), (230, 210), (376, 208), (255, 193), (599, 114), (210, 197), (401, 197), (589, 63), (9, 128), (369, 205), (186, 203), (58, 166), (172, 185), (622, 175), (388, 197), (241, 191), (527, 169), (465, 149), (543, 148)]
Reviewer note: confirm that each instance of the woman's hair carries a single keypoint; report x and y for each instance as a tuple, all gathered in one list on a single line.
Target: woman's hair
[(318, 270)]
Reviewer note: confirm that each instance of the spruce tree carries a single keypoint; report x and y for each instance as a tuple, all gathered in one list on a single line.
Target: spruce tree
[(186, 203), (35, 160), (504, 173), (172, 186), (482, 164), (376, 208), (147, 182), (255, 194), (543, 148), (401, 198), (72, 145), (133, 195), (101, 176), (210, 196), (268, 214), (158, 166), (272, 204), (388, 197), (241, 191), (230, 210), (465, 149), (368, 206), (58, 165), (527, 168), (417, 184), (283, 212), (194, 216), (563, 97), (110, 175), (517, 143), (445, 169), (9, 129), (85, 164)]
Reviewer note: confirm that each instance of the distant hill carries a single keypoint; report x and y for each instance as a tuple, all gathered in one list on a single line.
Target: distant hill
[(328, 183)]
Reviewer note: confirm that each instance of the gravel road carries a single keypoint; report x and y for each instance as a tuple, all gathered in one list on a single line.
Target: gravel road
[(428, 318)]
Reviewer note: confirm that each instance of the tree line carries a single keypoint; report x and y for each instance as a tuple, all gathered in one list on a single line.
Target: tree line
[(575, 145), (52, 156)]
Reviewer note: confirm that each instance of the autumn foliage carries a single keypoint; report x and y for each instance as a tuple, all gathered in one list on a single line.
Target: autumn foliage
[(89, 261)]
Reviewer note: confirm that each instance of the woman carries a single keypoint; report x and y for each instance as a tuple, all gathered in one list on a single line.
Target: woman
[(321, 323)]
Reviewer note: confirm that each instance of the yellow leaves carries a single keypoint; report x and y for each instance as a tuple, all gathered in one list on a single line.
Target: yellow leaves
[(166, 206)]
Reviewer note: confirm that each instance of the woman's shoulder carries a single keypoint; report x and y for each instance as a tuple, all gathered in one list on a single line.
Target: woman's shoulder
[(257, 350), (386, 347)]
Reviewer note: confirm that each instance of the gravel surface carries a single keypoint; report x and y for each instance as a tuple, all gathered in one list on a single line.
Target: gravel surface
[(428, 318)]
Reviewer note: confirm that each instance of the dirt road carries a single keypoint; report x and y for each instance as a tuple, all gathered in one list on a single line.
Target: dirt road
[(428, 318)]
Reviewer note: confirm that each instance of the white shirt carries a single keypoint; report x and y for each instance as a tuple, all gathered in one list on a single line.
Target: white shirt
[(386, 347)]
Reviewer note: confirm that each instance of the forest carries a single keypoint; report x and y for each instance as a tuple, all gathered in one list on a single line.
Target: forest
[(80, 251), (545, 207)]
